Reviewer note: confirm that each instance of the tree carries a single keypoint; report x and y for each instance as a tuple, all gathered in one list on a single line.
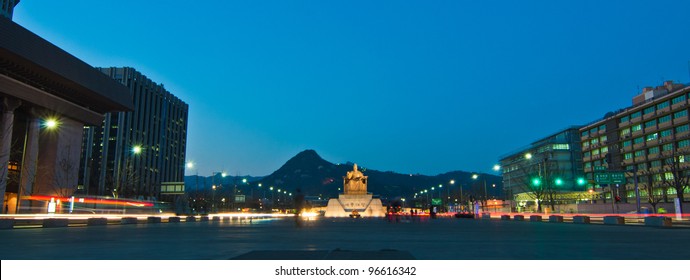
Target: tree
[(66, 174), (532, 182), (122, 180), (675, 171), (649, 186)]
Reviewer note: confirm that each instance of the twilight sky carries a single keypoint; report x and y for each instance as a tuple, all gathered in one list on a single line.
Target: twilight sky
[(407, 86)]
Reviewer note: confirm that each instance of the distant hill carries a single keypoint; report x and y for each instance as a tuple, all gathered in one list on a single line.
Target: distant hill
[(315, 176)]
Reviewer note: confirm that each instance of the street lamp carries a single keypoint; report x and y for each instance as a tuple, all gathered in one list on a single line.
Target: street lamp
[(213, 199), (475, 177), (50, 123)]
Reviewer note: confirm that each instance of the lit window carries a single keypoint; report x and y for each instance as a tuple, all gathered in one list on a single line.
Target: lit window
[(652, 137)]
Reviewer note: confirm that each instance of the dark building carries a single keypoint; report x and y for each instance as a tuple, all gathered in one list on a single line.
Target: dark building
[(7, 8), (47, 97), (133, 154)]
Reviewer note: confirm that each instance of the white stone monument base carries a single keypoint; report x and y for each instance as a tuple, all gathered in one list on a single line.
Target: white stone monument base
[(364, 204)]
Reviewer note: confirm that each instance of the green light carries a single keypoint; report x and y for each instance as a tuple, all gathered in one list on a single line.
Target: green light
[(581, 181), (536, 182), (558, 182)]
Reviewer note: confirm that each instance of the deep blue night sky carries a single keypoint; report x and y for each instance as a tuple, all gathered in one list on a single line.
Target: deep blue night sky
[(408, 86)]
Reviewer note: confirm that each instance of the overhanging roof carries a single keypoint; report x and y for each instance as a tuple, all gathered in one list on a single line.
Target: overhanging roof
[(30, 59)]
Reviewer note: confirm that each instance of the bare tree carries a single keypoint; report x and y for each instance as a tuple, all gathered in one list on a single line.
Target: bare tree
[(649, 186), (122, 181), (66, 174), (676, 171), (531, 183)]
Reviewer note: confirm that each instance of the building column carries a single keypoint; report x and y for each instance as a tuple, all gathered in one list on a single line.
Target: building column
[(30, 157), (6, 124), (58, 161)]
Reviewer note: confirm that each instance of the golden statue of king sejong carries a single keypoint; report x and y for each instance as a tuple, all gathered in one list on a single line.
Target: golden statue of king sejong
[(355, 201), (355, 182)]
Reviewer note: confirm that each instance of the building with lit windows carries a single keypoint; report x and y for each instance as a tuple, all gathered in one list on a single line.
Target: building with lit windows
[(136, 154), (643, 141), (551, 165)]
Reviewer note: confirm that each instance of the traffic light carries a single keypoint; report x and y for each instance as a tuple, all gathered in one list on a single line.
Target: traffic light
[(558, 182), (581, 181), (618, 198)]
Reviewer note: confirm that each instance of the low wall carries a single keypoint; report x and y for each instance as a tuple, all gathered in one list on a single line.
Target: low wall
[(600, 207)]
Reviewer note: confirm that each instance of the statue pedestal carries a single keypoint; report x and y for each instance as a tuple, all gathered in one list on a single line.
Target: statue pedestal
[(364, 204)]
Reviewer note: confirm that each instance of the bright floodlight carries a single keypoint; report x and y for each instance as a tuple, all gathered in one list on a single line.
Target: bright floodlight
[(497, 167), (223, 174), (244, 180), (136, 149), (51, 123), (452, 182), (528, 156), (475, 176), (190, 165)]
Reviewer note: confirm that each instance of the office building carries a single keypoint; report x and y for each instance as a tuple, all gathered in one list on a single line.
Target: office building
[(642, 142), (133, 154), (549, 169), (7, 8)]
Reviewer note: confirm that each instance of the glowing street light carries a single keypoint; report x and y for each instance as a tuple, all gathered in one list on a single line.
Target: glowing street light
[(528, 156), (136, 150), (50, 123), (497, 167)]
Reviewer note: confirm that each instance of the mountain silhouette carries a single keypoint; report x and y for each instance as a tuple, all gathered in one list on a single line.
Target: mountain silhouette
[(314, 176)]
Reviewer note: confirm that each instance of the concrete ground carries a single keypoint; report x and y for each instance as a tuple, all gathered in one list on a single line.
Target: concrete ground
[(323, 238)]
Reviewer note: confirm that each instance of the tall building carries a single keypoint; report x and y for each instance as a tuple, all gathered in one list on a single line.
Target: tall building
[(641, 141), (548, 169), (7, 8), (47, 97), (133, 153)]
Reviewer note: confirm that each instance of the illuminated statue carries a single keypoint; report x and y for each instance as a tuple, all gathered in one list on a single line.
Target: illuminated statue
[(355, 182)]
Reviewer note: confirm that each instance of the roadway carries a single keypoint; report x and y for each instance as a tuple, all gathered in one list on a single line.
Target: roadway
[(422, 238)]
